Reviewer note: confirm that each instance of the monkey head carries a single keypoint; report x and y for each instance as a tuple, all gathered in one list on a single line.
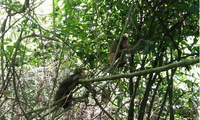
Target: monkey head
[(124, 43), (80, 73)]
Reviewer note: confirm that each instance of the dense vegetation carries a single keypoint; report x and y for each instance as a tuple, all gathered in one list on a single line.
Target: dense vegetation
[(42, 43)]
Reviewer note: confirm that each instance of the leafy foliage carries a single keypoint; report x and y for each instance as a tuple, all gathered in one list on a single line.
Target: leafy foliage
[(40, 46)]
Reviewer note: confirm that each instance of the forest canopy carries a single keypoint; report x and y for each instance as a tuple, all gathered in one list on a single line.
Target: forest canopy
[(43, 42)]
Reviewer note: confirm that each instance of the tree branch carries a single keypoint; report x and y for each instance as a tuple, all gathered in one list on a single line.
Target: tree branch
[(144, 72)]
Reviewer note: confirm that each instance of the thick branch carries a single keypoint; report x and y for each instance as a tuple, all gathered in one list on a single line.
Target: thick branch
[(144, 72)]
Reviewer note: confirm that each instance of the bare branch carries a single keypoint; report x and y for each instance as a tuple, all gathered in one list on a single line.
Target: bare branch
[(144, 72)]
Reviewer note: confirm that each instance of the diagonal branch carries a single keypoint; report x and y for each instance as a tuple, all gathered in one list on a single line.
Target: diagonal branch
[(144, 72)]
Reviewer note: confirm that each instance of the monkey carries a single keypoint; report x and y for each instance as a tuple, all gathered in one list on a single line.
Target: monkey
[(67, 86), (120, 58)]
